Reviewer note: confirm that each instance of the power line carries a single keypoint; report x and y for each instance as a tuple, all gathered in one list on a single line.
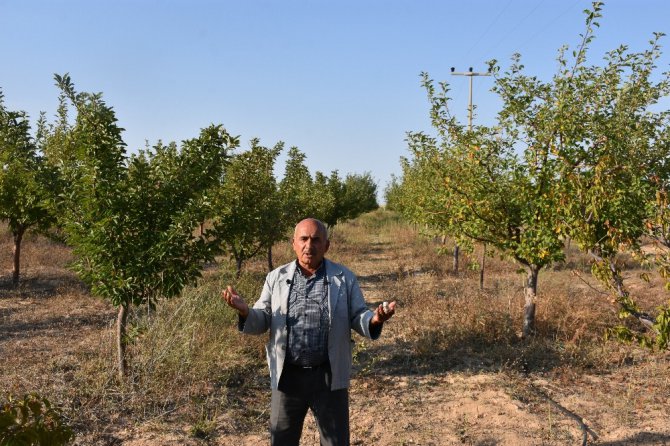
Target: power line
[(543, 28), (488, 28), (514, 28)]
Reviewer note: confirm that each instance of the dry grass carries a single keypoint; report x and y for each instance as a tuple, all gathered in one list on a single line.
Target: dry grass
[(195, 378)]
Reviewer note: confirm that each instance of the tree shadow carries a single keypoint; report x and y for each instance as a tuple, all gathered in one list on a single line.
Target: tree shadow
[(395, 275), (378, 278), (378, 247), (30, 329), (40, 286), (435, 351), (641, 438)]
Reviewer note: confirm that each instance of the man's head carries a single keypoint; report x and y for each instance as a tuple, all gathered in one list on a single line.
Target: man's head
[(310, 243)]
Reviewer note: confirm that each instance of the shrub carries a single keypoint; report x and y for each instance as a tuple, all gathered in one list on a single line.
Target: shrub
[(32, 420)]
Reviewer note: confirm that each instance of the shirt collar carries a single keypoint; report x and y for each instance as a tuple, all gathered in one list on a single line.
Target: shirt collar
[(318, 274)]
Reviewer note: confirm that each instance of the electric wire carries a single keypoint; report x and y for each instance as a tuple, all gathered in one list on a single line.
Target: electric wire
[(516, 26), (543, 28), (488, 28)]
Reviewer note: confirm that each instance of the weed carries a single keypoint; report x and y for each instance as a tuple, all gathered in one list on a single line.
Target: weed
[(204, 427)]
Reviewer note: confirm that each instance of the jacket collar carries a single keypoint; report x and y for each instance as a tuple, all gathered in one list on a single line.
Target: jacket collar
[(334, 275), (332, 270)]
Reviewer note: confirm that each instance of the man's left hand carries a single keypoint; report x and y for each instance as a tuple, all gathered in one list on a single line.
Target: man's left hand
[(383, 314)]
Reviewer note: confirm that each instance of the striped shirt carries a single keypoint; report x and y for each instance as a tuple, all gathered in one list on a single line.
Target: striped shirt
[(308, 319)]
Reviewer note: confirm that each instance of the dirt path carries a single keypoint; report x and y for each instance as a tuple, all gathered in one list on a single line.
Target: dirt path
[(392, 406)]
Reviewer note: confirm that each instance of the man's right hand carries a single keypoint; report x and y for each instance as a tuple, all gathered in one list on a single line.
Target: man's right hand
[(235, 300)]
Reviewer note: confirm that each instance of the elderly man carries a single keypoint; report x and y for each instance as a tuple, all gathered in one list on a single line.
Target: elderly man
[(310, 306)]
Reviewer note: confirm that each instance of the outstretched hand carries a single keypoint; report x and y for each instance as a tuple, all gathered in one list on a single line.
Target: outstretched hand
[(235, 300), (383, 313)]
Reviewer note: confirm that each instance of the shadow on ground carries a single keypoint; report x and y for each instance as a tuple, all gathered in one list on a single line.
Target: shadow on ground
[(30, 329), (40, 286), (428, 354), (641, 438)]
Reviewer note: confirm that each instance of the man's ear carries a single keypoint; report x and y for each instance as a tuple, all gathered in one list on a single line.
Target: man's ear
[(327, 246)]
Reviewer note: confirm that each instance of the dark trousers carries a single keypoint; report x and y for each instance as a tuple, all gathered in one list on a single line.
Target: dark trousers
[(301, 389)]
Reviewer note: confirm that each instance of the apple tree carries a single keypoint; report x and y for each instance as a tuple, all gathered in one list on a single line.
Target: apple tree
[(131, 220), (26, 182)]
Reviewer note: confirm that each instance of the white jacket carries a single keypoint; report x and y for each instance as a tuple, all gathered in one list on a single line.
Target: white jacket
[(346, 306)]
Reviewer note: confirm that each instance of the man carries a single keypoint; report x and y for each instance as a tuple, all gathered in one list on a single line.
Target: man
[(310, 306)]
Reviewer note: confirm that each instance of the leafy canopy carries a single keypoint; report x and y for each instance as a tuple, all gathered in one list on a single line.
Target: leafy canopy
[(131, 220)]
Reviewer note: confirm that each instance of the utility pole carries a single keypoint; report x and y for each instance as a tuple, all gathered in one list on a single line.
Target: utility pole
[(470, 74)]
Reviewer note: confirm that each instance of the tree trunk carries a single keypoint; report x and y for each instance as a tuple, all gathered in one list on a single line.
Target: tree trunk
[(624, 295), (270, 264), (481, 270), (530, 294), (18, 237), (121, 320), (238, 261), (456, 251)]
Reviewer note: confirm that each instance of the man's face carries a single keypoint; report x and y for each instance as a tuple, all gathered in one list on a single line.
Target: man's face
[(310, 244)]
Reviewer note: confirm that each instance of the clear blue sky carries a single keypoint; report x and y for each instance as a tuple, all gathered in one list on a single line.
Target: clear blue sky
[(339, 79)]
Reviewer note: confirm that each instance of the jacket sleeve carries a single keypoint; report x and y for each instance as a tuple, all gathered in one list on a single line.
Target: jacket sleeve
[(260, 315), (360, 316)]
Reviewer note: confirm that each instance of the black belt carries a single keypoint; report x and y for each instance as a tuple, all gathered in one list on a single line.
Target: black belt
[(310, 367)]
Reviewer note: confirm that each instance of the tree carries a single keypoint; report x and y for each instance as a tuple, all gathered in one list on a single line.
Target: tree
[(657, 228), (592, 166), (393, 194), (247, 207), (613, 150), (325, 202), (335, 189), (422, 191), (473, 184), (25, 182), (131, 221), (295, 189), (295, 194), (336, 200), (359, 195)]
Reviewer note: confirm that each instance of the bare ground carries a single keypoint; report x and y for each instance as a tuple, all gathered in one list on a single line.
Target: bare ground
[(52, 334)]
